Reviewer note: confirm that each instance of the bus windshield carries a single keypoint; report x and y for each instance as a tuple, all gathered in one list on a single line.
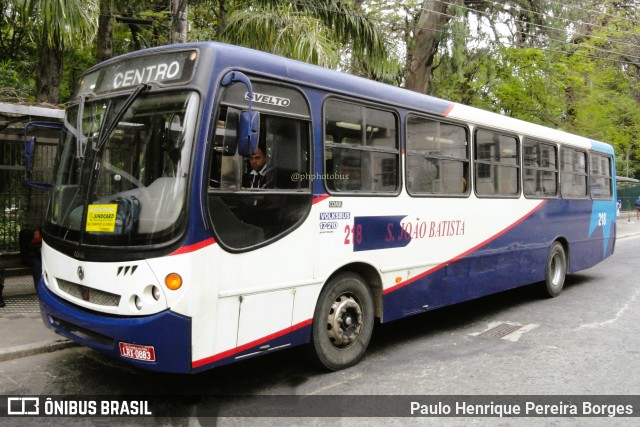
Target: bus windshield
[(122, 171)]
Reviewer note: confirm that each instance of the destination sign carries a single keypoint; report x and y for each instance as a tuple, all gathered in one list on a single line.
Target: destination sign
[(167, 68), (151, 73)]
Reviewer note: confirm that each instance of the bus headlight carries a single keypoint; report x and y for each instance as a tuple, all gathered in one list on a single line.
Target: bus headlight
[(137, 302)]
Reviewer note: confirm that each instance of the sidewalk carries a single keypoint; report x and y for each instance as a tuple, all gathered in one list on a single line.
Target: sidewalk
[(628, 225), (22, 331)]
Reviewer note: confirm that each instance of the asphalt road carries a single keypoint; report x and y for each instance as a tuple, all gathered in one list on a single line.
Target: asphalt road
[(584, 342)]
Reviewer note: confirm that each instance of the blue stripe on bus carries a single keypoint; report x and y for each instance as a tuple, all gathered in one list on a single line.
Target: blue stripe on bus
[(515, 258), (379, 232), (169, 333), (601, 147), (295, 335), (603, 215)]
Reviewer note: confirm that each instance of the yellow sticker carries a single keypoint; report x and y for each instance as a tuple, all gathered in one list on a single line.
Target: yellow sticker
[(102, 218)]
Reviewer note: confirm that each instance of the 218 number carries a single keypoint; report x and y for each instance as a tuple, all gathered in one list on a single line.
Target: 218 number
[(602, 219), (354, 233)]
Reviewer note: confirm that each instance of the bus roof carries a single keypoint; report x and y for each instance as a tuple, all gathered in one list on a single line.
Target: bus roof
[(309, 75)]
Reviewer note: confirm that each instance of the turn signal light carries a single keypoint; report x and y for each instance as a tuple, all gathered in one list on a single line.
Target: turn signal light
[(173, 281)]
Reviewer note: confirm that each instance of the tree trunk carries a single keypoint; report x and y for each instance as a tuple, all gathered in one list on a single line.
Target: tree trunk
[(425, 45), (179, 22), (222, 18), (49, 74), (105, 31)]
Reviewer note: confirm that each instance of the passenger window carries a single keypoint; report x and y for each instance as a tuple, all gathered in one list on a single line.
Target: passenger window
[(361, 149), (540, 169), (497, 164), (600, 176), (257, 198), (573, 176), (437, 160)]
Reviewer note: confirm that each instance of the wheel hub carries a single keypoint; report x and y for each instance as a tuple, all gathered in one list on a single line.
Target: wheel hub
[(345, 321)]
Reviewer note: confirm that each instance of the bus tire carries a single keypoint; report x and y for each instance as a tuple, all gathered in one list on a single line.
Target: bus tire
[(556, 270), (342, 322)]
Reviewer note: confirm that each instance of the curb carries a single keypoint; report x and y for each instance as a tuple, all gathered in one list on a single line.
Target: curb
[(36, 348), (628, 235)]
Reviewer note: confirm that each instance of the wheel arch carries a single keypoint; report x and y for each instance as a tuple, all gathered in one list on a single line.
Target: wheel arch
[(371, 278), (565, 245)]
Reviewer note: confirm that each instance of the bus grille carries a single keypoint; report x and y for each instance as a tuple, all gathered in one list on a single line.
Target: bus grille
[(91, 295)]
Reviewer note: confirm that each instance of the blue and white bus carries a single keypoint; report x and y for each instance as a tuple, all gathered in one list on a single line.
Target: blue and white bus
[(374, 202)]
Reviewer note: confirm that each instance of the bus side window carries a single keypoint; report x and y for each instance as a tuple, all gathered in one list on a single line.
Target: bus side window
[(437, 160), (573, 178), (362, 144), (497, 164), (540, 169), (600, 173)]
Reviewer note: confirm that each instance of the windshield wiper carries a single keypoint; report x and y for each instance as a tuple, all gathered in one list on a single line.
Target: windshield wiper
[(104, 136)]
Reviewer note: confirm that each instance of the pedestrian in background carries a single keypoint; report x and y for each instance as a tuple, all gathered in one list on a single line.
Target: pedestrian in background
[(30, 242)]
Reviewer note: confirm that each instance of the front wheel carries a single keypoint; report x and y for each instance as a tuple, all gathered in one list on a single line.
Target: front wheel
[(342, 322), (556, 270)]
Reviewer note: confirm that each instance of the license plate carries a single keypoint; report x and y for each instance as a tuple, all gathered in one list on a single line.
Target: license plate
[(138, 352)]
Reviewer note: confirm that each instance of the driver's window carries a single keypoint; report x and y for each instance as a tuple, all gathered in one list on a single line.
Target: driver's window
[(254, 199)]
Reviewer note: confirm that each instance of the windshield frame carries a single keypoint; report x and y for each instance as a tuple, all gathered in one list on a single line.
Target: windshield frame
[(56, 235)]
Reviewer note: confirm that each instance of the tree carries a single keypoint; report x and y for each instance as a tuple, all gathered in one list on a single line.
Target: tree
[(16, 50), (13, 28), (179, 21), (423, 49), (315, 31), (444, 30), (104, 43), (59, 25)]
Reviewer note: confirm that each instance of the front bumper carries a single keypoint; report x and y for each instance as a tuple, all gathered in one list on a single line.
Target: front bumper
[(167, 332)]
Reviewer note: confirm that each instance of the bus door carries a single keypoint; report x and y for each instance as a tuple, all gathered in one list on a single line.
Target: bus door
[(258, 203)]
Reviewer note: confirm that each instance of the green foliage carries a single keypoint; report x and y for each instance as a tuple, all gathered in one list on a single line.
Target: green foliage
[(130, 37), (9, 230), (323, 32), (13, 84), (77, 61), (60, 24), (576, 70), (285, 31)]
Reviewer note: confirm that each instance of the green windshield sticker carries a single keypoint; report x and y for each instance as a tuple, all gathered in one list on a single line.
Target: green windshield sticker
[(102, 218)]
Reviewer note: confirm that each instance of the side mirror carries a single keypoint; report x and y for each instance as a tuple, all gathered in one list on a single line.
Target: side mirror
[(30, 145), (249, 126), (29, 152), (248, 132)]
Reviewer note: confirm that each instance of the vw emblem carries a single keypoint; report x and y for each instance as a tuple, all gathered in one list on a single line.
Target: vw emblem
[(80, 273)]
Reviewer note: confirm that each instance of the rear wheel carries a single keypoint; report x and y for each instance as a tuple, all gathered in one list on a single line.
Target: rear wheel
[(556, 270), (342, 322)]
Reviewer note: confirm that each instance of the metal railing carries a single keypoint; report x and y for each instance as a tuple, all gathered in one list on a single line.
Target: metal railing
[(21, 205)]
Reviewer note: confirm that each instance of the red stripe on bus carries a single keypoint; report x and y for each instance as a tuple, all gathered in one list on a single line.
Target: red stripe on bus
[(448, 110), (194, 247), (462, 255), (247, 346), (320, 198)]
